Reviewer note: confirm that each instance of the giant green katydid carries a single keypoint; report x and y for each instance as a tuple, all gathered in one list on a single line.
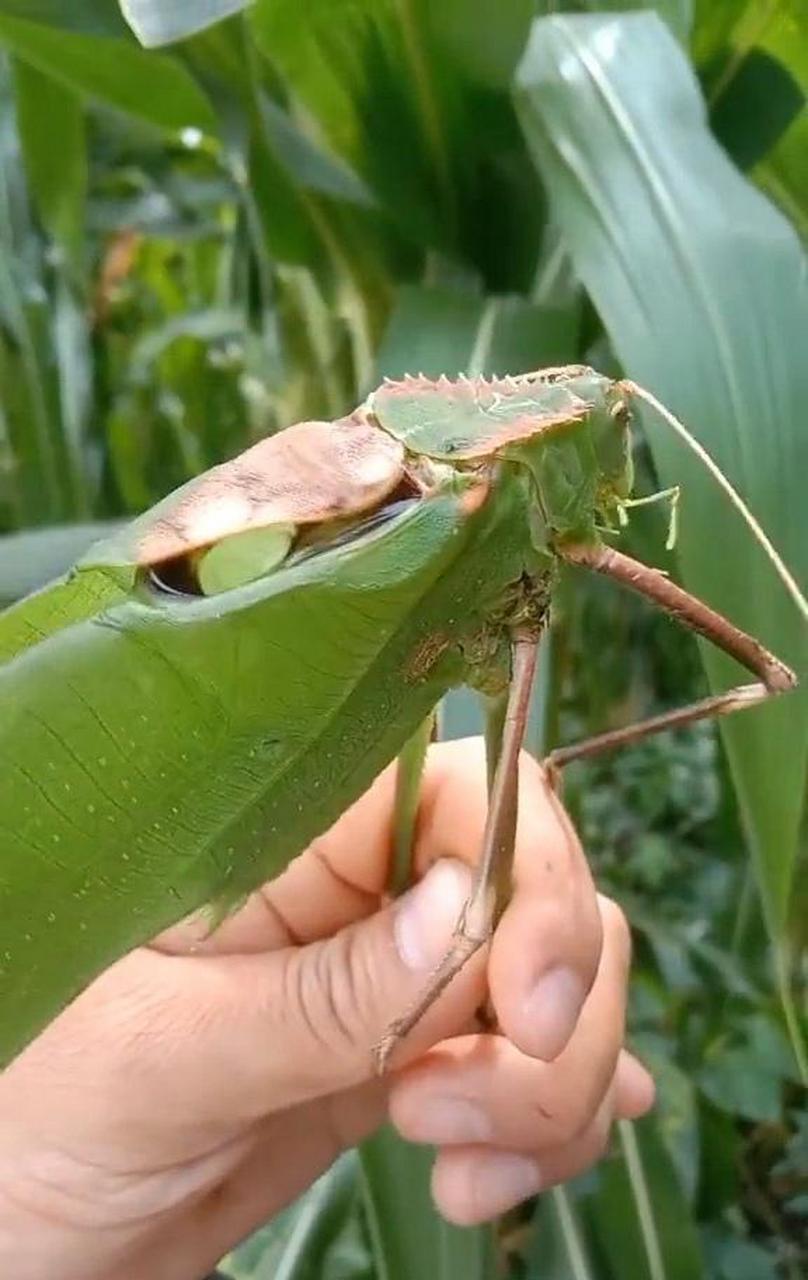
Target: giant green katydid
[(206, 692)]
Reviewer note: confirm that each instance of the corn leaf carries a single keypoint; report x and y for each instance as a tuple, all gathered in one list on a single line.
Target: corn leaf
[(703, 289)]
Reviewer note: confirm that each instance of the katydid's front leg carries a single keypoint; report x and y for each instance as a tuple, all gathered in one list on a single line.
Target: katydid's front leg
[(493, 875), (773, 675)]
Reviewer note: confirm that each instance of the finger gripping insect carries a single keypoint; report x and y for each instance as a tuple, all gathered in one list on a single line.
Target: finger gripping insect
[(320, 594)]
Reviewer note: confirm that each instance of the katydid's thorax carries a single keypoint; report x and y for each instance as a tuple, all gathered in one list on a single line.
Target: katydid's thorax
[(568, 427)]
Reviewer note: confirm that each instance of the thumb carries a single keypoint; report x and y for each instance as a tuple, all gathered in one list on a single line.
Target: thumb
[(319, 1010)]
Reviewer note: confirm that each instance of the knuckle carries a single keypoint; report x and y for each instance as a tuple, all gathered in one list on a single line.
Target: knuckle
[(328, 989)]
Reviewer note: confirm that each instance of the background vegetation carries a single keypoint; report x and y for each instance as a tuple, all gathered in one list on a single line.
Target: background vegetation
[(202, 244)]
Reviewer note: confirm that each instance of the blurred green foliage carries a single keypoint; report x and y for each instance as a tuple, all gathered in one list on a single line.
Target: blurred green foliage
[(203, 244)]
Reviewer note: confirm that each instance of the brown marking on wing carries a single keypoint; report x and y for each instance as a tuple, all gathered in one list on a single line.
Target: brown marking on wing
[(521, 429), (474, 497), (311, 472), (482, 395), (425, 656)]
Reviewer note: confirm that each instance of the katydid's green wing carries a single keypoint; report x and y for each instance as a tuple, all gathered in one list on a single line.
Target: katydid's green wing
[(161, 753)]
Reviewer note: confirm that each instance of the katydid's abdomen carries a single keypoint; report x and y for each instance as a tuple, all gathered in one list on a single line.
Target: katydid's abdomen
[(170, 753)]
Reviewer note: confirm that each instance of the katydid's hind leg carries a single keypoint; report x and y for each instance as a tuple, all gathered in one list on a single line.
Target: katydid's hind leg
[(496, 709), (773, 675), (744, 695), (492, 880)]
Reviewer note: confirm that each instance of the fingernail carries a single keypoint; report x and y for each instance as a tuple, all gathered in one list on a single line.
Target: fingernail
[(449, 1119), (551, 1010), (426, 916), (503, 1179)]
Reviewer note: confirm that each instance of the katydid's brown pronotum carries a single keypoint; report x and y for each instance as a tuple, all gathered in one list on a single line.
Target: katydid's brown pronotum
[(207, 691)]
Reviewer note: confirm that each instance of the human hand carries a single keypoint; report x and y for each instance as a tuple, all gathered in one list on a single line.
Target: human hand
[(201, 1084)]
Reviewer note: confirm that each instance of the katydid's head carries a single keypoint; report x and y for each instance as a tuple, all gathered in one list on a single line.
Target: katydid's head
[(610, 425), (582, 474)]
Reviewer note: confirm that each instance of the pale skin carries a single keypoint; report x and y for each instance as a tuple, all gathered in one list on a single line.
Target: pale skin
[(199, 1086)]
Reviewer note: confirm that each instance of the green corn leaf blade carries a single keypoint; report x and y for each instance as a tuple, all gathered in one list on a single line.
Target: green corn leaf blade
[(212, 325), (304, 207), (753, 61), (725, 32), (74, 370), (92, 17), (410, 1240), (50, 119), (703, 290), (678, 14), (389, 86), (297, 1244), (371, 82), (756, 108), (28, 560), (40, 482), (675, 1110), (157, 22), (731, 1258), (641, 1218), (485, 40), (151, 87), (308, 164), (435, 330), (558, 1248), (783, 171)]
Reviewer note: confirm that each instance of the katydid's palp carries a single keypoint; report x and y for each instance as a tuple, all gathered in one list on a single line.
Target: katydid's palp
[(210, 688)]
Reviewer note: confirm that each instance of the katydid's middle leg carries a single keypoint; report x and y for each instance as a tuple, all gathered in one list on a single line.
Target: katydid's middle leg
[(492, 880)]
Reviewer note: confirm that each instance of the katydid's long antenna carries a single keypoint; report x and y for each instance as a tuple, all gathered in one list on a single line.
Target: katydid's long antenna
[(783, 572)]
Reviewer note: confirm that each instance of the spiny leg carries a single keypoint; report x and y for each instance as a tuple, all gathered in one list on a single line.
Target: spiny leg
[(774, 676), (492, 879)]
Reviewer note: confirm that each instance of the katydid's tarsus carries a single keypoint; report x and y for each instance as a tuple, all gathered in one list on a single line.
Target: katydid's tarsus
[(207, 691)]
